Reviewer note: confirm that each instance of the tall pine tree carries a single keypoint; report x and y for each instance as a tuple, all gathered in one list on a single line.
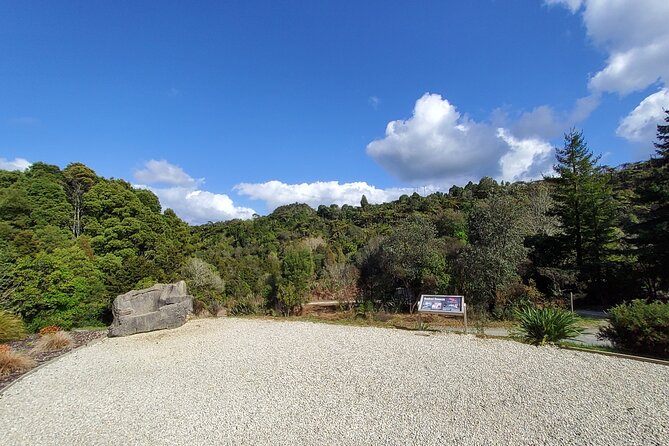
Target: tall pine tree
[(652, 233), (584, 204)]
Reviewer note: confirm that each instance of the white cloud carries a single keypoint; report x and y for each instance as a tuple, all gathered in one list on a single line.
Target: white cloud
[(526, 158), (438, 144), (634, 69), (635, 35), (15, 164), (544, 122), (183, 196), (275, 193), (641, 124), (374, 102), (162, 172), (199, 206)]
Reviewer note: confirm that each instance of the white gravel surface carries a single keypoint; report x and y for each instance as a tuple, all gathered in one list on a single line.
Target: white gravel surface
[(256, 382)]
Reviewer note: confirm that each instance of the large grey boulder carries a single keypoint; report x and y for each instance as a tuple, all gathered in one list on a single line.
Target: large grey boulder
[(156, 308)]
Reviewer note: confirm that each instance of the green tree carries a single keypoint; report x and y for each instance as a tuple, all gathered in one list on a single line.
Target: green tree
[(415, 258), (60, 288), (297, 272), (651, 234), (78, 180), (491, 260), (584, 203)]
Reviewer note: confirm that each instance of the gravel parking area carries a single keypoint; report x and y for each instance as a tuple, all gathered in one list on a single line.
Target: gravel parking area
[(258, 382)]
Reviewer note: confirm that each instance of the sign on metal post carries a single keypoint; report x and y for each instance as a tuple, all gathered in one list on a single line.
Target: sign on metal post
[(444, 305)]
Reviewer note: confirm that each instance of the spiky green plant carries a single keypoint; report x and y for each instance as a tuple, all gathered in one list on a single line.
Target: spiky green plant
[(540, 326), (11, 327), (422, 326)]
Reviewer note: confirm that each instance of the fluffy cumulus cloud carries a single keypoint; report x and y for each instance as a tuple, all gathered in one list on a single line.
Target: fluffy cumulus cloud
[(15, 164), (641, 124), (179, 191), (526, 158), (635, 35), (162, 172), (440, 145), (276, 193)]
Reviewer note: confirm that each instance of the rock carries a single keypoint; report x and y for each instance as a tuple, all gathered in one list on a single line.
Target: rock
[(156, 308)]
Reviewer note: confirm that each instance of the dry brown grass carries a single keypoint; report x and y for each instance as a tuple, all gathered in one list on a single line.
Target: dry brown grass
[(11, 362), (53, 341)]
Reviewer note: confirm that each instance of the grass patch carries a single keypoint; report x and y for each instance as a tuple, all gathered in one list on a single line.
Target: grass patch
[(11, 362), (11, 327), (53, 341), (597, 348)]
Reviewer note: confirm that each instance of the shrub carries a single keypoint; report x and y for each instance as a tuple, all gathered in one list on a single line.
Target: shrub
[(11, 362), (290, 299), (364, 309), (49, 329), (245, 306), (639, 327), (53, 341), (539, 326), (515, 297), (11, 327)]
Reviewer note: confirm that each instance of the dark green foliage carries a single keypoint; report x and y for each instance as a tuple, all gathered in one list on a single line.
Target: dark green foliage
[(584, 203), (651, 232), (411, 258), (61, 288), (297, 271), (496, 250), (539, 326), (639, 327), (78, 180), (71, 241)]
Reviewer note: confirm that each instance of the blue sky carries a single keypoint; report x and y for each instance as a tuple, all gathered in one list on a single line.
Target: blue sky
[(231, 108)]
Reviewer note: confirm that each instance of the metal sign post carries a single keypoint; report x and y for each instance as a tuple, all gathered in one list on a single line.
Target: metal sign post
[(444, 305)]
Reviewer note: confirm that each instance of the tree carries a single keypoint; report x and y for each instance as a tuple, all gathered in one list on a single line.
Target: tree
[(78, 180), (576, 165), (204, 283), (61, 288), (411, 257), (583, 201), (297, 271), (363, 202), (652, 232), (495, 252)]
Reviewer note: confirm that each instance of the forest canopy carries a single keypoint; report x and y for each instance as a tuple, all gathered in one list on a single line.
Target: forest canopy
[(71, 241)]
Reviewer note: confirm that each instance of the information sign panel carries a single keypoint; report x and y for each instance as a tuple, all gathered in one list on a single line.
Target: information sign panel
[(442, 304)]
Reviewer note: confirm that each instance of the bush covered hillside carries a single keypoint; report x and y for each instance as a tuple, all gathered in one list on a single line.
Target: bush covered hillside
[(70, 241)]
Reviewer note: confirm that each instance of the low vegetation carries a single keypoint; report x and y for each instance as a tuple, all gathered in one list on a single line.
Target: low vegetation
[(540, 326), (639, 327), (12, 362), (56, 340), (11, 327)]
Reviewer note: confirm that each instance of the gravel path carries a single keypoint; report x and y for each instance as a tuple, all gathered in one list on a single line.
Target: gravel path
[(255, 382)]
